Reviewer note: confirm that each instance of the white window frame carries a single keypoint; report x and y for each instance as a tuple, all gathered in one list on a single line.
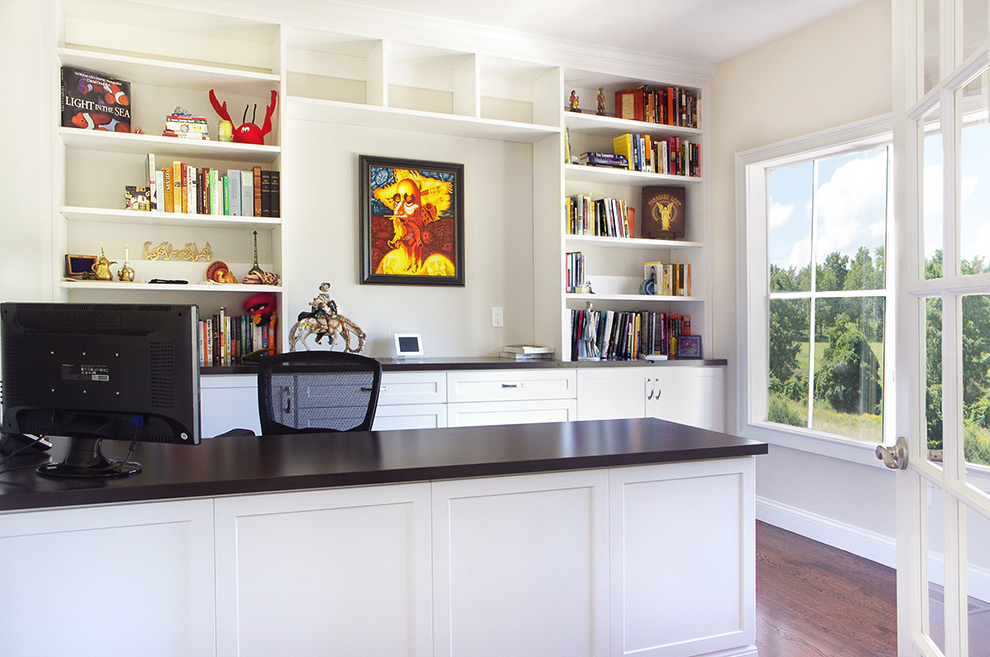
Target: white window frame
[(753, 301)]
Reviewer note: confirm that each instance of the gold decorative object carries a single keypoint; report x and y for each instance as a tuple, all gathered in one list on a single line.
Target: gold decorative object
[(165, 251), (126, 273), (219, 272), (256, 275), (102, 267), (324, 320)]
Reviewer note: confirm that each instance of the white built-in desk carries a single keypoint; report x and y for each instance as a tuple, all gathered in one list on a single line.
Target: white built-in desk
[(611, 537), (458, 392)]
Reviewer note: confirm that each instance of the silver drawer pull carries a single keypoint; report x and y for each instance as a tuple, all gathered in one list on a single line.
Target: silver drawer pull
[(512, 385)]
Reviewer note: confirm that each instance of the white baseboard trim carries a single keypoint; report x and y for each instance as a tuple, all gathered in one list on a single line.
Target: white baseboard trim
[(863, 543)]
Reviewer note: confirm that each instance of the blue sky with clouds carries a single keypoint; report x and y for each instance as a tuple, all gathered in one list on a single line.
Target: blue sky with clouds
[(852, 196), (852, 199)]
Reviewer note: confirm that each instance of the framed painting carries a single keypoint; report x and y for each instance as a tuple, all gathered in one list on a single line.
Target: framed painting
[(412, 222)]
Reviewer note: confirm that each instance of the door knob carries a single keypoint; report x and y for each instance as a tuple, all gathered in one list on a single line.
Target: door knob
[(896, 457)]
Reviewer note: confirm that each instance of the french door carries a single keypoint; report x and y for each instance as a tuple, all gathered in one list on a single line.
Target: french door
[(942, 288)]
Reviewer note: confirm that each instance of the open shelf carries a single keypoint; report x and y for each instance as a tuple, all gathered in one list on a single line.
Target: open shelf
[(107, 215), (123, 142), (415, 121)]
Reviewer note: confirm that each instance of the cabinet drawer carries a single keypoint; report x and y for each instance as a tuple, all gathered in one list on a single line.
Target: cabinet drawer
[(511, 385), (413, 388), (410, 416), (476, 414)]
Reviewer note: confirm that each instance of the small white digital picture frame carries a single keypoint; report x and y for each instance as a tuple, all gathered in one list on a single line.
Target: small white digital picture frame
[(408, 344)]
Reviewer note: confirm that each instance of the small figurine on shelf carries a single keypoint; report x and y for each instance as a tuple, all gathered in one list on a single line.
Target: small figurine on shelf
[(247, 133), (600, 111), (219, 272), (324, 320), (262, 308), (573, 102), (102, 267), (125, 273)]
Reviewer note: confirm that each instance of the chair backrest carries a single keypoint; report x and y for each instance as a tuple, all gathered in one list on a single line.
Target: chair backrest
[(314, 391)]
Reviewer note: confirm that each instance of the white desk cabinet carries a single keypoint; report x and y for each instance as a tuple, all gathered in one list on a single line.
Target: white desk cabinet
[(677, 588), (520, 566), (330, 572), (458, 398), (688, 395), (228, 401), (115, 580), (648, 560)]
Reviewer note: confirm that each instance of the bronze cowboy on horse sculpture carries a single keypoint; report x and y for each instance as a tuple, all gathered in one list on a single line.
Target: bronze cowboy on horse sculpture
[(324, 320)]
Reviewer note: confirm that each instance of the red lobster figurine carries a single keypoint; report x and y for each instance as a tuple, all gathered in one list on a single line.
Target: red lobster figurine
[(246, 133)]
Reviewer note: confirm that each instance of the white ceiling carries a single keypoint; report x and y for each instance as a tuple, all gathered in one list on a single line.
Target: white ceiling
[(704, 31)]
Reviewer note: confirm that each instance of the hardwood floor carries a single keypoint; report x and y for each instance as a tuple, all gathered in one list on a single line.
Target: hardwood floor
[(813, 600)]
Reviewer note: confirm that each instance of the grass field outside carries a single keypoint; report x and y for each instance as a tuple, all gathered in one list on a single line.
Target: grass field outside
[(866, 427)]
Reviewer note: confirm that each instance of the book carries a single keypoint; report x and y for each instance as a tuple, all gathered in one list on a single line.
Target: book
[(177, 190), (247, 193), (152, 181), (622, 145), (256, 186), (94, 101), (567, 144), (514, 356), (234, 178), (663, 212), (137, 198), (653, 271), (160, 190), (168, 195), (266, 193), (592, 158), (629, 104), (276, 193), (527, 349)]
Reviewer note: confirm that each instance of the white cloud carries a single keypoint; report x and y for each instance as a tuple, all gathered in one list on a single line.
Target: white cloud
[(800, 254), (851, 206), (780, 214)]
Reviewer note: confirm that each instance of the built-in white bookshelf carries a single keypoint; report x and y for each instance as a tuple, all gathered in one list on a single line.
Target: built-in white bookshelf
[(173, 57), (168, 62)]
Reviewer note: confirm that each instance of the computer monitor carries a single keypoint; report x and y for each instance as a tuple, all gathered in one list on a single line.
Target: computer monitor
[(96, 371)]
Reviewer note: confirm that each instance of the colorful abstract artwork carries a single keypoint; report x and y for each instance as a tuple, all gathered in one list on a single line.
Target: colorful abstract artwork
[(412, 222)]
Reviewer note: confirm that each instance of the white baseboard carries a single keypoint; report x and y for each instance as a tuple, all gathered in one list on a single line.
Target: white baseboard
[(863, 543)]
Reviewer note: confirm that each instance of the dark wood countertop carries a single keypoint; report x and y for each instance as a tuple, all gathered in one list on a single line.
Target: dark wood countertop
[(239, 465), (492, 363)]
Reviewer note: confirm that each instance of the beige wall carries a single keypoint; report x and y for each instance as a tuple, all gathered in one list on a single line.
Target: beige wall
[(833, 73)]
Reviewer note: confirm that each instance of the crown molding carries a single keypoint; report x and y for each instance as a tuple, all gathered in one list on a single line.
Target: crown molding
[(347, 18)]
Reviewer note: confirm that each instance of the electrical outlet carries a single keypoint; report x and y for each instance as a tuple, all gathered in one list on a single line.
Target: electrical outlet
[(498, 320)]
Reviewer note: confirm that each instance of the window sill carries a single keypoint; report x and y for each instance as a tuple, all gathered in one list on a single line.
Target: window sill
[(844, 449), (822, 445)]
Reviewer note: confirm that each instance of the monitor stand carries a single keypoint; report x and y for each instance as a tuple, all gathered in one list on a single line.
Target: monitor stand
[(85, 458)]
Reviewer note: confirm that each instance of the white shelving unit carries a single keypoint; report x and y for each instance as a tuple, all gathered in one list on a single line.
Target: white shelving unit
[(614, 265), (168, 63), (175, 56)]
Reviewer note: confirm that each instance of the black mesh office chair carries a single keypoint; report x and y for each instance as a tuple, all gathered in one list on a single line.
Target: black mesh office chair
[(317, 391)]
